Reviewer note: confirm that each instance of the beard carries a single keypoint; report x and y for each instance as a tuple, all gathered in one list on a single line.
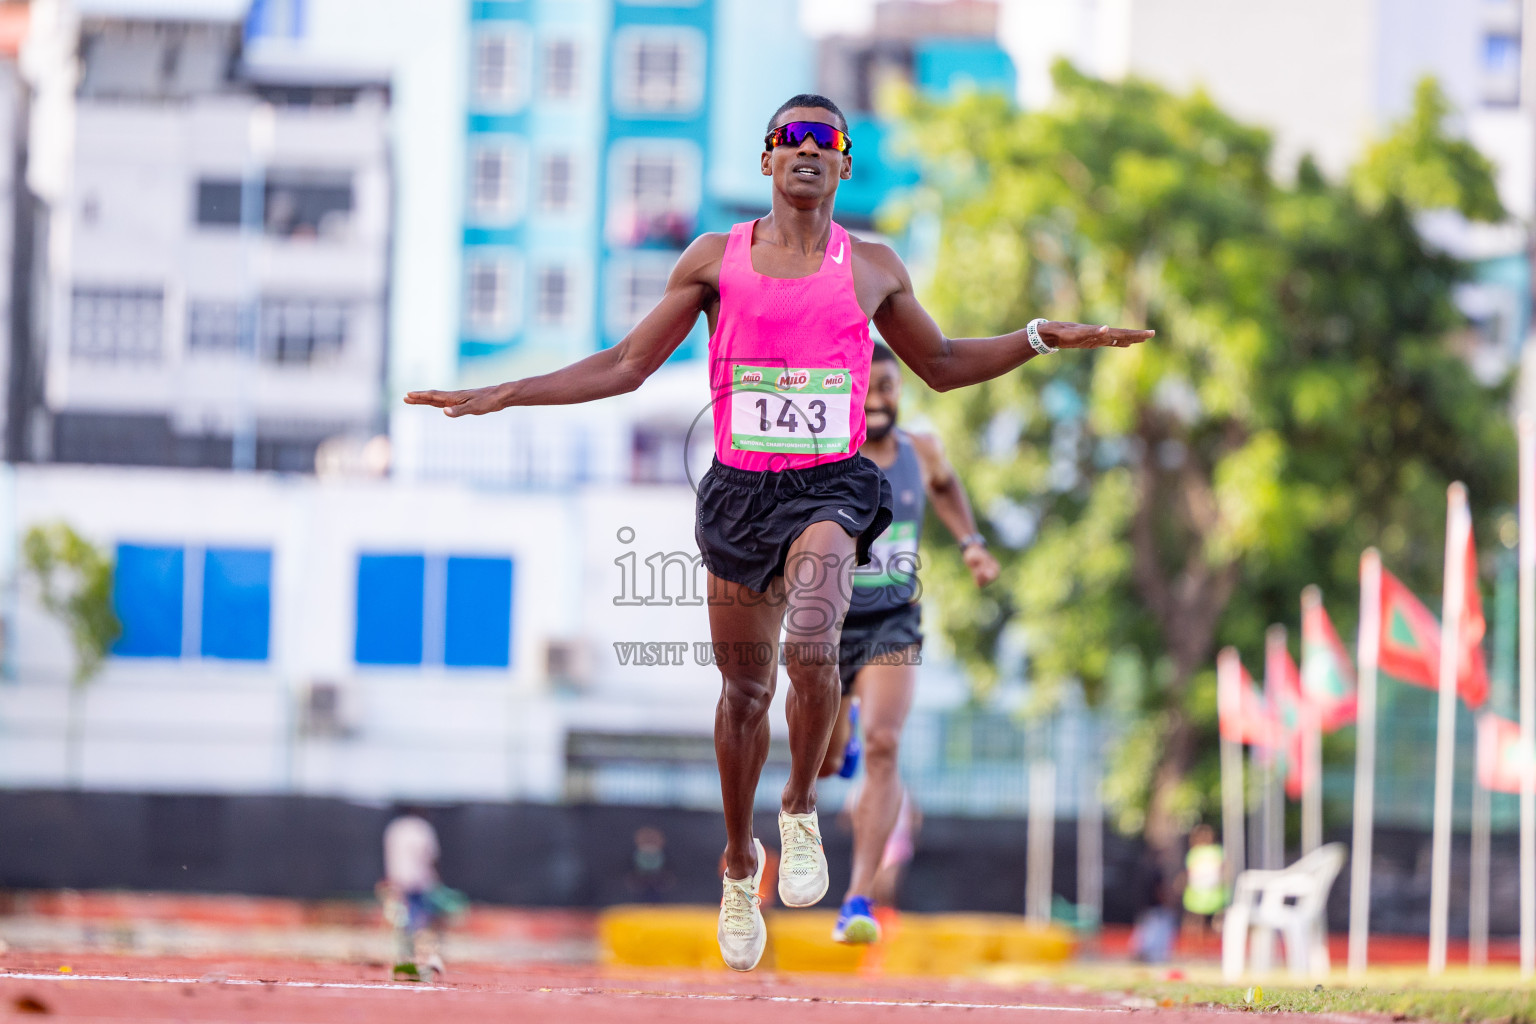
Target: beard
[(881, 432)]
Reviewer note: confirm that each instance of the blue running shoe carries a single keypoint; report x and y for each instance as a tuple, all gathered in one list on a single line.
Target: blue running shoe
[(854, 749), (856, 924)]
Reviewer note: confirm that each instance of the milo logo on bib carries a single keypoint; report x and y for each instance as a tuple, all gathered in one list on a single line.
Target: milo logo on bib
[(807, 411)]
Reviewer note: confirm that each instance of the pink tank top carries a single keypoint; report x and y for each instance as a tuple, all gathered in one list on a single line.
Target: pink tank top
[(789, 361)]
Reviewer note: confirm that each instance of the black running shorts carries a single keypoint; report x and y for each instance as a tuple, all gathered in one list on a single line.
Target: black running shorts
[(876, 634), (747, 519)]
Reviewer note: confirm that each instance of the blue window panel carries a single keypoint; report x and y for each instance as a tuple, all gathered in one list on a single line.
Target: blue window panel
[(147, 595), (390, 591), (478, 630), (491, 10), (237, 603)]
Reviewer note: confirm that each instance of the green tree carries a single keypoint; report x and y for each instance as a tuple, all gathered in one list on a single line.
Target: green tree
[(1299, 403), (74, 580)]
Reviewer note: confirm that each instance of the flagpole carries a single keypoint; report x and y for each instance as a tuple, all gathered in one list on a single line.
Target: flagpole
[(1456, 527), (1229, 678), (1365, 762), (1090, 833), (1477, 902), (1312, 784), (1311, 747), (1274, 791), (1527, 589)]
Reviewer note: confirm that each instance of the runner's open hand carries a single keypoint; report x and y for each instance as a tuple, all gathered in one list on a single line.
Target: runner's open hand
[(472, 402), (1067, 335), (984, 568)]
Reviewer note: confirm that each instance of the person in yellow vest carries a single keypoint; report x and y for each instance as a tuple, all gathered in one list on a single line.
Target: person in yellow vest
[(1205, 885)]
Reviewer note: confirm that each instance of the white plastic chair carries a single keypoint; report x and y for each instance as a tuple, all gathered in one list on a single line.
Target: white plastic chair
[(1291, 903)]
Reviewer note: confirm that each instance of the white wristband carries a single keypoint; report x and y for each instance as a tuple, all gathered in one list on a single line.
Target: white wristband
[(1032, 331)]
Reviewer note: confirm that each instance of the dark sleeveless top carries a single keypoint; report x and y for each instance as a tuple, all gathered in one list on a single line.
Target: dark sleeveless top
[(889, 581)]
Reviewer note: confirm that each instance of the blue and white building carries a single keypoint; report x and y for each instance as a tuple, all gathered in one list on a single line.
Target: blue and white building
[(592, 129)]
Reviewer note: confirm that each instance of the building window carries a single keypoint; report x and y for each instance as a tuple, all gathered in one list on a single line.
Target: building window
[(293, 330), (147, 589), (302, 330), (215, 326), (556, 182), (237, 603), (115, 325), (1501, 69), (390, 598), (659, 71), (413, 609), (560, 69), (495, 187), (218, 203), (193, 602), (295, 204), (654, 194), (501, 68), (634, 289), (490, 294), (554, 295), (298, 204), (477, 630)]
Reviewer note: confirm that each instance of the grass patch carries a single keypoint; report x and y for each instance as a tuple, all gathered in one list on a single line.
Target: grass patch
[(1492, 995), (1446, 1005)]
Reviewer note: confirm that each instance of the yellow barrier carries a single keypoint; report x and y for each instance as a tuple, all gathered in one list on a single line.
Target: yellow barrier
[(801, 940), (652, 936)]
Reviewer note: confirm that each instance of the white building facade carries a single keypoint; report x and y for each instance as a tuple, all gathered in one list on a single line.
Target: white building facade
[(217, 258)]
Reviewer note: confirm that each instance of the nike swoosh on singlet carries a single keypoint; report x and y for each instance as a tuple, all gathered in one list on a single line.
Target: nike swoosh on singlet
[(838, 259)]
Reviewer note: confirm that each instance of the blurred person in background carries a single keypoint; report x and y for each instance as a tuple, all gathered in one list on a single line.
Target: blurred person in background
[(415, 899), (1205, 887), (882, 636), (1156, 922), (789, 505), (649, 877)]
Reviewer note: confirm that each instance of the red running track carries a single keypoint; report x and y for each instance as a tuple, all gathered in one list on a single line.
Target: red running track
[(123, 988)]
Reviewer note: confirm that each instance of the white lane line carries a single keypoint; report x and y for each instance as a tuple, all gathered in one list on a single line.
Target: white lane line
[(382, 985), (726, 997), (831, 1000)]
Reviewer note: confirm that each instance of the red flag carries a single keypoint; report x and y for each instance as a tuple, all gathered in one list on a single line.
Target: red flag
[(1500, 758), (1410, 639), (1472, 672), (1292, 713), (1327, 676), (1243, 714)]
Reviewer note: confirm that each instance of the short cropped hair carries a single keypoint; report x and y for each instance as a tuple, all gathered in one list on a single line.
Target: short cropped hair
[(882, 354), (809, 99)]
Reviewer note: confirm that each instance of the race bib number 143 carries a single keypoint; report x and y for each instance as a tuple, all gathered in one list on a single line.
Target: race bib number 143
[(801, 411)]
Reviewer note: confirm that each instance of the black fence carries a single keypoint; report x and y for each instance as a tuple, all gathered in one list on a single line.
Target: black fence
[(583, 855)]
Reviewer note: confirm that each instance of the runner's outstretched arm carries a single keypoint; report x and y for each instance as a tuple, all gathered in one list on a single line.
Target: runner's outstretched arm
[(948, 363), (953, 508), (690, 289)]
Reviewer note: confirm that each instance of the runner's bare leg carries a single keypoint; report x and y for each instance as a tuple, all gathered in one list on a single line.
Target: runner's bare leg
[(885, 697), (837, 746), (817, 583), (744, 625)]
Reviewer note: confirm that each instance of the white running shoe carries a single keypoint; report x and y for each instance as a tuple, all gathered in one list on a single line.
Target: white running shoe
[(802, 863), (741, 932)]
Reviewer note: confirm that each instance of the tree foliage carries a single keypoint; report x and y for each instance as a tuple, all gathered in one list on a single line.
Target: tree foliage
[(1299, 403), (75, 586)]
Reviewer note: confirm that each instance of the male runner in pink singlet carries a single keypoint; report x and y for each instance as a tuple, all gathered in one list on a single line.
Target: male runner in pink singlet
[(789, 505)]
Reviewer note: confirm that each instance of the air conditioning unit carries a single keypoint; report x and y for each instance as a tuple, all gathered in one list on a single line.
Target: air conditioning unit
[(567, 663), (327, 708)]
